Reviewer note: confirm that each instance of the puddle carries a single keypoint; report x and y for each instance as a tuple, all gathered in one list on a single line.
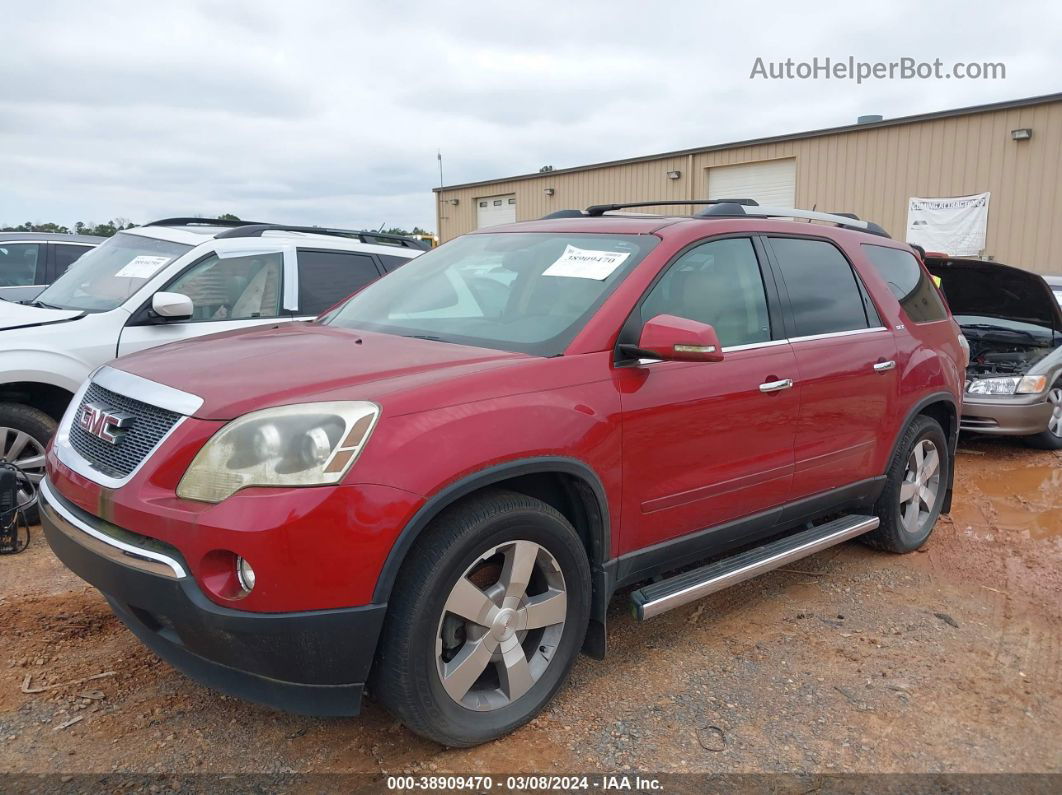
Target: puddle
[(1032, 483), (1039, 523)]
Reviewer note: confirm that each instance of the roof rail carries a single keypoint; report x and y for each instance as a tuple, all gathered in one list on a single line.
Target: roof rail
[(601, 209), (200, 222), (363, 236), (849, 220)]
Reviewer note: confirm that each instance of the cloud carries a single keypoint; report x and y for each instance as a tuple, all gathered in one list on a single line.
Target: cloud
[(332, 113)]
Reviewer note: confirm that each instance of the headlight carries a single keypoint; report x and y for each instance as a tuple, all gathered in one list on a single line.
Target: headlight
[(310, 444), (1012, 385)]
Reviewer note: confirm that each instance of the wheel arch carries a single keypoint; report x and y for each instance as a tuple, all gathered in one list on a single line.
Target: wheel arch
[(567, 484), (943, 408), (50, 398)]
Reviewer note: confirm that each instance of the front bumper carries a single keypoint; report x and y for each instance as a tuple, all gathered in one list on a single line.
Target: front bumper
[(1017, 415), (313, 662)]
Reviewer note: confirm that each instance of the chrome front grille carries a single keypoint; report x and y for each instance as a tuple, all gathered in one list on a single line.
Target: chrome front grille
[(148, 426)]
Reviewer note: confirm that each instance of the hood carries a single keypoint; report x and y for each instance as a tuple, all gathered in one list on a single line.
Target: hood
[(241, 371), (14, 315), (977, 287)]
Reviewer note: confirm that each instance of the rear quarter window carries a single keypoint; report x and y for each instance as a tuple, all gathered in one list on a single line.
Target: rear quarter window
[(908, 281)]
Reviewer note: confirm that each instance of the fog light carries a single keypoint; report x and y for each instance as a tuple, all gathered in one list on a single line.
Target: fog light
[(245, 574)]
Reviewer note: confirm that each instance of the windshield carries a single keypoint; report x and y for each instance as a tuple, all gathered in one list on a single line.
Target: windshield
[(101, 279), (525, 292)]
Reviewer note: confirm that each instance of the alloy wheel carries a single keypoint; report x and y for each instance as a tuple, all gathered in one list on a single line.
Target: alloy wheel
[(501, 625), (920, 487), (25, 452), (1054, 425)]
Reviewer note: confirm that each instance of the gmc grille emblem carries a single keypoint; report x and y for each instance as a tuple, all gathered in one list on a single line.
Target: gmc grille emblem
[(103, 423)]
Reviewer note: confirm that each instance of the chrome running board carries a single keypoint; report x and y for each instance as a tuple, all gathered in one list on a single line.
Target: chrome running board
[(659, 597)]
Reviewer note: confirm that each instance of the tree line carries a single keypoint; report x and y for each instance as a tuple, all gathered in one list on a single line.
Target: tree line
[(118, 224)]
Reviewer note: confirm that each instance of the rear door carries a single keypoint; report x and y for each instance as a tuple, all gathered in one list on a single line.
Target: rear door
[(703, 443), (846, 364), (328, 277)]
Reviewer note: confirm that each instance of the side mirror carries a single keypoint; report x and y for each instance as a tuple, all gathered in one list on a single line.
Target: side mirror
[(172, 306), (672, 338)]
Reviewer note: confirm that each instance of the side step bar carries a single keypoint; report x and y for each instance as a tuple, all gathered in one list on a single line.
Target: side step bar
[(659, 597)]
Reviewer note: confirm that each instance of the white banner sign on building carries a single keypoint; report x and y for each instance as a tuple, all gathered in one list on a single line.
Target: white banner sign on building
[(955, 225)]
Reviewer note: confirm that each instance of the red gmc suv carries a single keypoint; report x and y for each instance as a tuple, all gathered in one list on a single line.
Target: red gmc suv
[(433, 490)]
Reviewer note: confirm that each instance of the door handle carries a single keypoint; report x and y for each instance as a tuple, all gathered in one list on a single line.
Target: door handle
[(776, 386), (882, 367)]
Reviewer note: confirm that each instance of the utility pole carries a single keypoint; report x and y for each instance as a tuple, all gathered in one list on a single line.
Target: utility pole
[(440, 168)]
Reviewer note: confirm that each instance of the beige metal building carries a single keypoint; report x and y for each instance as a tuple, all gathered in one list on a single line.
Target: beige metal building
[(1011, 149)]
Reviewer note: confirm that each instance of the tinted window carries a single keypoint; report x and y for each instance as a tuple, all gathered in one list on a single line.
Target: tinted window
[(823, 290), (909, 283), (19, 264), (718, 283), (327, 277), (233, 288), (65, 254)]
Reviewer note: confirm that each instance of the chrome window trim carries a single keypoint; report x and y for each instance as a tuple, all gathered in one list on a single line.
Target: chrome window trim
[(55, 505), (132, 386), (751, 346), (833, 334), (772, 343)]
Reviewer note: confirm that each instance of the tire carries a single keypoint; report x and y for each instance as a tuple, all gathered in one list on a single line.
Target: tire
[(24, 433), (910, 482), (1051, 437), (423, 641)]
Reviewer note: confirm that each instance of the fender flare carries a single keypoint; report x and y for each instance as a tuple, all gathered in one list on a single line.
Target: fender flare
[(454, 491)]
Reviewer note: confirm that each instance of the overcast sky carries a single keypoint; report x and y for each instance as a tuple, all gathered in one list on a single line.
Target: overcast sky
[(332, 113)]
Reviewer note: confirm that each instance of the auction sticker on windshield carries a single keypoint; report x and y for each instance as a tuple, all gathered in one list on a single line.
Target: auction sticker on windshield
[(142, 267), (582, 263)]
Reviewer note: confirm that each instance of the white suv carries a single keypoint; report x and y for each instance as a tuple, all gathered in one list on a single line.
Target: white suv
[(167, 281)]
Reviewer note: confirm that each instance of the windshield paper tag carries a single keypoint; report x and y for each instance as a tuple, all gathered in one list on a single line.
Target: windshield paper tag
[(581, 263), (142, 267)]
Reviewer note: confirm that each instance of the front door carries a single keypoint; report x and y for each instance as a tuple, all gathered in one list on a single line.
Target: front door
[(708, 442), (227, 292)]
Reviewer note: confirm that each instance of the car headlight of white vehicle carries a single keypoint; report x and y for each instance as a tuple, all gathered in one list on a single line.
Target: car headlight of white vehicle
[(1011, 385), (308, 444)]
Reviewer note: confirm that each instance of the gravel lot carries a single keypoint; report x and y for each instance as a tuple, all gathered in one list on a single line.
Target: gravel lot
[(852, 660)]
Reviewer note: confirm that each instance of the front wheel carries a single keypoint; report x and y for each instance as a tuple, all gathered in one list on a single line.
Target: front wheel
[(1051, 437), (485, 620), (914, 489)]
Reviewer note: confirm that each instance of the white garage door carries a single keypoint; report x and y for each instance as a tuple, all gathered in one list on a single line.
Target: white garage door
[(494, 210), (770, 182)]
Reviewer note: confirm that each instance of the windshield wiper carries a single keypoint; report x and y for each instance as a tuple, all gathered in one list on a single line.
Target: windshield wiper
[(424, 337), (39, 304)]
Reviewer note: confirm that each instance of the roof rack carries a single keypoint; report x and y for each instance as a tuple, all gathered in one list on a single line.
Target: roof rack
[(363, 236), (848, 220), (601, 209), (734, 208), (200, 222)]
